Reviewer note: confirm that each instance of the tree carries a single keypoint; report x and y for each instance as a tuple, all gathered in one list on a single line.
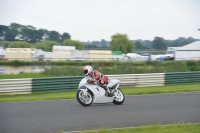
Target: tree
[(45, 34), (41, 45), (27, 34), (65, 36), (11, 34), (139, 45), (49, 45), (159, 43), (77, 44), (5, 44), (3, 30), (95, 43), (18, 44), (103, 43), (38, 35), (30, 27), (122, 43), (31, 35), (16, 26), (55, 36), (18, 32)]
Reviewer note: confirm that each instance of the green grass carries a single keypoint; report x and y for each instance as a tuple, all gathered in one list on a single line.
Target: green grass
[(162, 89), (38, 96), (23, 75), (174, 128), (126, 91)]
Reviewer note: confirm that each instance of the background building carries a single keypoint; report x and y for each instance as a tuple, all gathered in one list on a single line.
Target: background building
[(79, 54), (18, 54), (188, 52), (62, 52), (99, 55)]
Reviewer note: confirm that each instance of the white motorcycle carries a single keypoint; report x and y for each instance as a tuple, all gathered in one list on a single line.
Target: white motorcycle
[(93, 93)]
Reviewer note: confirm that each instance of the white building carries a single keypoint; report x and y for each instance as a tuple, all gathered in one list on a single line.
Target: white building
[(63, 48), (18, 54), (188, 52), (78, 54), (170, 53), (62, 52), (99, 55)]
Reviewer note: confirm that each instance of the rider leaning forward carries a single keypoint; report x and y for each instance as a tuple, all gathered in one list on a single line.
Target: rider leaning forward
[(95, 75)]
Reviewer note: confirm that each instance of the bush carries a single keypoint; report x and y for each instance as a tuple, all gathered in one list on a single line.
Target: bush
[(75, 68), (121, 68)]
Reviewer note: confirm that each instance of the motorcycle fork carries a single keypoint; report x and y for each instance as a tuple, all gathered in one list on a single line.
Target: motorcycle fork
[(85, 91), (115, 88)]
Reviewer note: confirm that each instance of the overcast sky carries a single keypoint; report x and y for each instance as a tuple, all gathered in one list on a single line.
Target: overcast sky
[(87, 20)]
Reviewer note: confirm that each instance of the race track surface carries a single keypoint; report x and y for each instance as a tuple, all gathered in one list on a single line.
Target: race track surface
[(69, 115)]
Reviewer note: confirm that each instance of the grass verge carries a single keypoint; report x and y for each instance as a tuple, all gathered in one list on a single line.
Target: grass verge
[(126, 91), (174, 128)]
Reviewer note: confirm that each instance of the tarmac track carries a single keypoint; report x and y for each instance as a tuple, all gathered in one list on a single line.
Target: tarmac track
[(69, 115)]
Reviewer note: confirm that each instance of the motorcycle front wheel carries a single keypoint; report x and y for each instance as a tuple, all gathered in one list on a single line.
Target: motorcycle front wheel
[(85, 100), (118, 97)]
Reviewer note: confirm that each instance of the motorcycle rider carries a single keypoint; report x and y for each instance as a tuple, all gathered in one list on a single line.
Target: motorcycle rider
[(95, 75)]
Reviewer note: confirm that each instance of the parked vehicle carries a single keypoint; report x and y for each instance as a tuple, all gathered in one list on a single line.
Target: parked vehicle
[(138, 57)]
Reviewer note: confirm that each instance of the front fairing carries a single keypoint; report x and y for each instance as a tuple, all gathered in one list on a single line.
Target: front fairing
[(82, 82)]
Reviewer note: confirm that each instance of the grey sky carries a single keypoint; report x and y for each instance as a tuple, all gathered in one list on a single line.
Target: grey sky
[(100, 19)]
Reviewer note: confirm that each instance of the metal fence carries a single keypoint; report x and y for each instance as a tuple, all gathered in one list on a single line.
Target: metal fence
[(140, 80), (55, 84), (182, 77), (16, 86)]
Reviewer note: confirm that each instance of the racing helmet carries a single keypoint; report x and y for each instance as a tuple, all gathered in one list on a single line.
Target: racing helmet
[(87, 70)]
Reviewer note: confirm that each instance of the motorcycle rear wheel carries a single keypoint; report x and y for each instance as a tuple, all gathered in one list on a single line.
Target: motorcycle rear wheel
[(84, 100), (118, 97)]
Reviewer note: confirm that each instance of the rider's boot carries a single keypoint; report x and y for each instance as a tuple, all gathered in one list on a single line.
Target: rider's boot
[(108, 92)]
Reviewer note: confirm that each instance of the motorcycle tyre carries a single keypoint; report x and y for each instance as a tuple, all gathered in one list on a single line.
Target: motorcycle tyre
[(82, 103), (117, 102)]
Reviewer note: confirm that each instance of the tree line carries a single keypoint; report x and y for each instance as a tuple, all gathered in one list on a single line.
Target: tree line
[(159, 43), (21, 36), (46, 45), (18, 32)]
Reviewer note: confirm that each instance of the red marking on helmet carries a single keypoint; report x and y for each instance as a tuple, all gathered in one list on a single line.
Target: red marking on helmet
[(86, 67)]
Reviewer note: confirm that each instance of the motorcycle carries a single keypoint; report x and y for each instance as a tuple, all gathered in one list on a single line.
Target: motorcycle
[(89, 93)]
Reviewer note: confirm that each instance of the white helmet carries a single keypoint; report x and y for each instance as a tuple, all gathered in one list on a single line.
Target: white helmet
[(87, 70)]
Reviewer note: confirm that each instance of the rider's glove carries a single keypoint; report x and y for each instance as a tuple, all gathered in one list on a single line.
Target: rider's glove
[(90, 80)]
